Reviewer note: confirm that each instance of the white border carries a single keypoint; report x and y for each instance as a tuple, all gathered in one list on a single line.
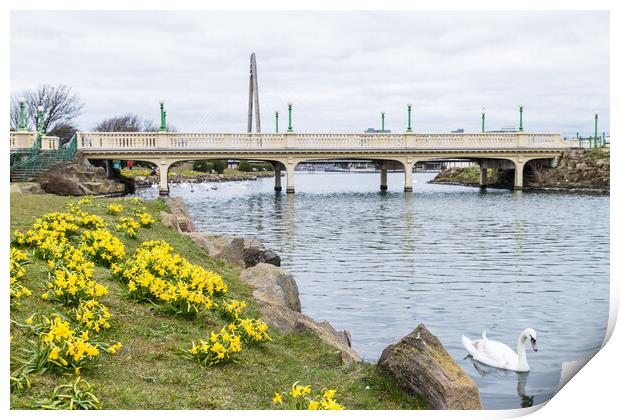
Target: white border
[(593, 394)]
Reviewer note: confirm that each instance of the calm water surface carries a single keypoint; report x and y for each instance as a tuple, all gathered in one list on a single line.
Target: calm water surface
[(453, 258)]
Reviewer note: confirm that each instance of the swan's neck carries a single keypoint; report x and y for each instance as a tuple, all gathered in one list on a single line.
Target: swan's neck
[(521, 357)]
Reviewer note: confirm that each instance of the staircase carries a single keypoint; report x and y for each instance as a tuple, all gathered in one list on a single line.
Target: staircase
[(31, 168)]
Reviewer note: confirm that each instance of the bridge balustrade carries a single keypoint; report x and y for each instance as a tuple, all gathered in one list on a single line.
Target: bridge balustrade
[(316, 141), (26, 140)]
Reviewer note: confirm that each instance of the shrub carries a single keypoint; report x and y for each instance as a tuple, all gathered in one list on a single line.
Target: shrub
[(16, 263), (203, 165), (102, 247), (77, 395), (299, 398), (220, 165), (220, 348), (246, 166), (252, 330), (57, 183)]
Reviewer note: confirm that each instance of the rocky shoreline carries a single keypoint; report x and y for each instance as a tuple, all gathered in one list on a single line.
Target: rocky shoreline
[(575, 171), (148, 181), (418, 363)]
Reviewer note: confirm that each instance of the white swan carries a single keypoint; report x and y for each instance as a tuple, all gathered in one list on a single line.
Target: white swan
[(499, 355)]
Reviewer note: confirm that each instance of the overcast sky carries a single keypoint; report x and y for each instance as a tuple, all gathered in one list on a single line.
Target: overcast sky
[(340, 69)]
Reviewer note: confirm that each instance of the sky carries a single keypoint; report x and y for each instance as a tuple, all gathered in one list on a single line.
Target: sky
[(340, 70)]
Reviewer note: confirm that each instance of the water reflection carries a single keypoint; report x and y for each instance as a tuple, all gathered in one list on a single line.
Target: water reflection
[(506, 376)]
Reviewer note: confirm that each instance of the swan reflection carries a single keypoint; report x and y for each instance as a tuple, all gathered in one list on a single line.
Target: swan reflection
[(485, 370)]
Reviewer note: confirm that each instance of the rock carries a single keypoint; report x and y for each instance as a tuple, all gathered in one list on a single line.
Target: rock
[(287, 320), (169, 220), (26, 187), (421, 366), (95, 187), (179, 209), (273, 285), (221, 247), (57, 183), (254, 252)]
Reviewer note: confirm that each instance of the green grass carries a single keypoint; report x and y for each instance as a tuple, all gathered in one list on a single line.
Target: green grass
[(188, 173), (599, 153), (228, 172), (149, 373)]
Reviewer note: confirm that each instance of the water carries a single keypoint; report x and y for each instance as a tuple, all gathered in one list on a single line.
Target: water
[(453, 258)]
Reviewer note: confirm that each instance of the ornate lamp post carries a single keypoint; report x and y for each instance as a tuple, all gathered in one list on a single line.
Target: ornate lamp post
[(40, 109), (382, 122), (22, 113), (520, 117), (596, 129), (290, 121), (37, 144), (408, 118), (162, 114), (277, 115), (484, 113)]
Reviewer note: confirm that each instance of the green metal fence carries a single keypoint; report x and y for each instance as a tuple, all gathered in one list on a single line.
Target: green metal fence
[(40, 160)]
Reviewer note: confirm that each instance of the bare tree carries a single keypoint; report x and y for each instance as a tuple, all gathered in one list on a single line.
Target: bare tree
[(60, 107), (129, 123)]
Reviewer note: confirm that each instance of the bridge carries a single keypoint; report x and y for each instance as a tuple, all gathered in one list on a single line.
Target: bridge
[(286, 150)]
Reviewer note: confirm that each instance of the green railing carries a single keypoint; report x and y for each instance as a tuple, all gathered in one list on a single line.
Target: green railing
[(40, 160)]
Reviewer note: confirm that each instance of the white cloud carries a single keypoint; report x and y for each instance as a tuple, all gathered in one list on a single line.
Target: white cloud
[(340, 69)]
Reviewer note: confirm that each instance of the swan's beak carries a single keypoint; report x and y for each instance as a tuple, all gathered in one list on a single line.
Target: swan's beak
[(534, 346)]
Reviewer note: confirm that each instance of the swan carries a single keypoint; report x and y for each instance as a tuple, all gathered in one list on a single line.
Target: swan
[(499, 355)]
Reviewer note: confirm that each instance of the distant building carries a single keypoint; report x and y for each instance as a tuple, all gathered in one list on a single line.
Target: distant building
[(458, 130), (503, 130), (375, 131)]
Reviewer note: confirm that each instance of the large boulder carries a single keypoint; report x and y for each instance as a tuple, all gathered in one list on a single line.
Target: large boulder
[(221, 247), (254, 252), (179, 209), (421, 366), (169, 220), (276, 291), (26, 187), (57, 183), (273, 284), (288, 320)]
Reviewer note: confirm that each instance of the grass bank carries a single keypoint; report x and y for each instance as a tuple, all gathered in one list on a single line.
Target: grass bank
[(150, 373)]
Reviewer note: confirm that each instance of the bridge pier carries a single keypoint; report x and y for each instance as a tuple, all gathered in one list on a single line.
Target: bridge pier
[(408, 175), (519, 166), (484, 180), (290, 177), (109, 171), (278, 186), (163, 178), (383, 186)]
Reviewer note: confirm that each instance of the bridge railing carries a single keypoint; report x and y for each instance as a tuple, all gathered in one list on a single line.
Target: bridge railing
[(309, 141), (26, 140)]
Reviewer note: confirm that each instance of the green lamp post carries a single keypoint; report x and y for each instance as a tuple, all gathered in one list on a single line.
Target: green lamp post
[(290, 120), (40, 109), (22, 113), (277, 116), (382, 122), (596, 129), (520, 117), (37, 144), (484, 114), (409, 118), (162, 114)]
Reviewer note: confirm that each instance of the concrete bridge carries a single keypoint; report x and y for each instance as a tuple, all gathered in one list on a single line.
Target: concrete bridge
[(287, 150)]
